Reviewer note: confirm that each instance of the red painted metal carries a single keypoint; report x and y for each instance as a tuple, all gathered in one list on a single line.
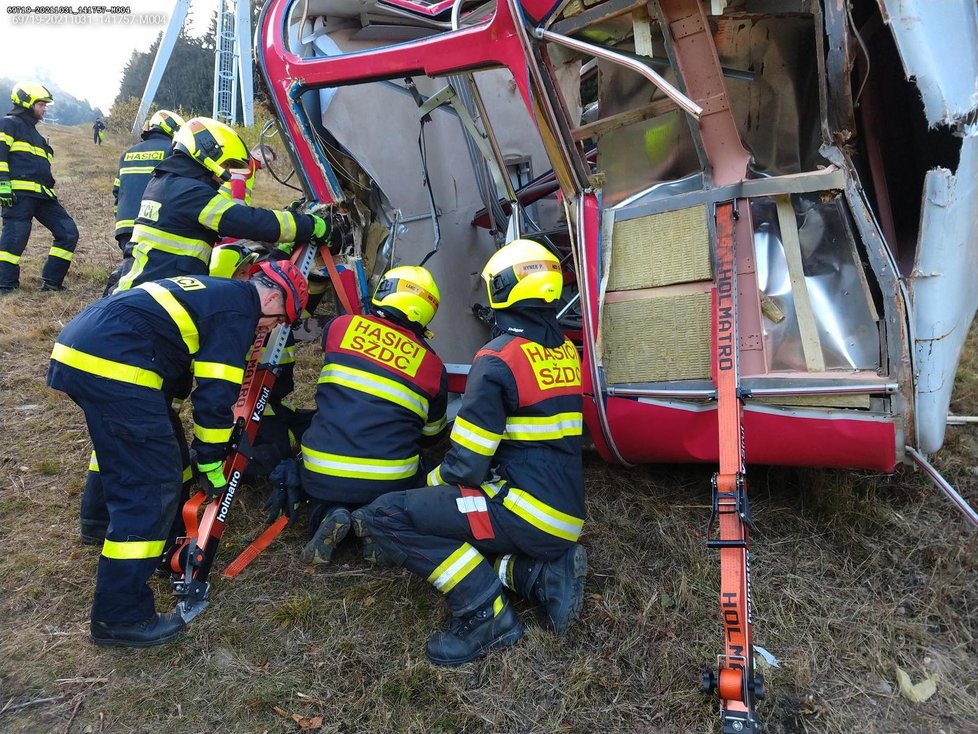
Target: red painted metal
[(657, 433)]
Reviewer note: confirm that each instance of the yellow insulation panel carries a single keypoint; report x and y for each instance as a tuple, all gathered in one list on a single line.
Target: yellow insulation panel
[(659, 337), (660, 249)]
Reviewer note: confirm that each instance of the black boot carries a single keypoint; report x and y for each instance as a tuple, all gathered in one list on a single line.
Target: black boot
[(154, 631), (333, 528), (557, 585), (473, 635), (372, 553), (47, 285), (92, 532)]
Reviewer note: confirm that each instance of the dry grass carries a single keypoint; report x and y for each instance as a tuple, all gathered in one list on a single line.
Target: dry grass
[(854, 575)]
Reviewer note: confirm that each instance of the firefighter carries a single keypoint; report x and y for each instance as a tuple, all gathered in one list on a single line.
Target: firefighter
[(27, 191), (120, 360), (98, 131), (382, 395), (182, 213), (511, 484), (136, 167)]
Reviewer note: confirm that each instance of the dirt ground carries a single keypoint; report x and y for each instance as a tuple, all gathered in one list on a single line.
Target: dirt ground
[(855, 576)]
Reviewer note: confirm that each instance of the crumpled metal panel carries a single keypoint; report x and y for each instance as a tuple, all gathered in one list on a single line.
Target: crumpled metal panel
[(845, 320), (938, 42), (944, 294)]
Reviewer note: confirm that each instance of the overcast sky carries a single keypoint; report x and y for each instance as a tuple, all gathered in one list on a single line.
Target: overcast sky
[(85, 54)]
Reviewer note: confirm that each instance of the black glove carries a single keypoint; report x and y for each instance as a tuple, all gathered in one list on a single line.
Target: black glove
[(286, 494)]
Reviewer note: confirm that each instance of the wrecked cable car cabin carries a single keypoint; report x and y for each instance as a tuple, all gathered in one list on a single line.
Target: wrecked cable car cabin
[(442, 130)]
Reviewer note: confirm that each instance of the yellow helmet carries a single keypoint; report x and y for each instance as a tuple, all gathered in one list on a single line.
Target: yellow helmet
[(231, 259), (163, 121), (213, 145), (521, 271), (26, 94), (411, 290)]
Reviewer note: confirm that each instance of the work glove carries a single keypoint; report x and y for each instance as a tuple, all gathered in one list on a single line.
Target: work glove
[(282, 251), (286, 495), (9, 198), (320, 228), (211, 478)]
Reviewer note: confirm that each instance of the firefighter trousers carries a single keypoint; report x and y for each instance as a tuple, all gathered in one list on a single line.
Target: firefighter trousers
[(94, 511), (140, 468), (17, 222), (444, 536)]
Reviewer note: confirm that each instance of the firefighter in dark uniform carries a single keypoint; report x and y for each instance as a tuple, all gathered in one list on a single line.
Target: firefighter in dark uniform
[(120, 360), (136, 167), (511, 484), (382, 395), (182, 213), (27, 191)]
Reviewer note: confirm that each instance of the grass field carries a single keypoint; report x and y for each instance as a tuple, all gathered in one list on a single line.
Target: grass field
[(855, 575)]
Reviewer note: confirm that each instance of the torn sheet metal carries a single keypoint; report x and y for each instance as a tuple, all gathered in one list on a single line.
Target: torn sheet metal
[(943, 287), (938, 42)]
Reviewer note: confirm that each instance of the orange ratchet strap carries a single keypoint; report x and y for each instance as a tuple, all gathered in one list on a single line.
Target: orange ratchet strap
[(735, 679)]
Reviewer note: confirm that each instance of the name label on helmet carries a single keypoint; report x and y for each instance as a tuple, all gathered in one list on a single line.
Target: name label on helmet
[(149, 209), (147, 155), (384, 345), (558, 367)]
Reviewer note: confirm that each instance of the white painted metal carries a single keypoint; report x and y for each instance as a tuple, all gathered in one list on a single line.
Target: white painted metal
[(167, 43)]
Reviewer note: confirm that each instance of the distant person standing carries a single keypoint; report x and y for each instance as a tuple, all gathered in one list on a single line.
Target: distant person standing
[(97, 131), (27, 191), (136, 168)]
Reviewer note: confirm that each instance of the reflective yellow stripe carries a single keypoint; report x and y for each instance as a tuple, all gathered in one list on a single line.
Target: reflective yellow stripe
[(123, 223), (286, 226), (21, 185), (358, 467), (8, 139), (151, 238), (212, 435), (93, 462), (379, 387), (132, 550), (139, 259), (542, 515), (115, 184), (288, 355), (218, 371), (210, 215), (185, 324), (4, 167), (476, 439), (433, 429), (19, 146), (9, 258), (137, 169), (188, 473), (492, 488), (434, 477), (455, 568), (63, 254), (106, 367), (552, 427)]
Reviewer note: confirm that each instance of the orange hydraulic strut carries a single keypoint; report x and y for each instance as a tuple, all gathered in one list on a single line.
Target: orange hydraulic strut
[(735, 679), (191, 562)]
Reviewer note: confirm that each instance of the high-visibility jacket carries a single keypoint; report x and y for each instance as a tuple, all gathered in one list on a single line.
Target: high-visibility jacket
[(518, 432), (136, 168), (382, 393), (151, 334), (182, 215), (25, 156)]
